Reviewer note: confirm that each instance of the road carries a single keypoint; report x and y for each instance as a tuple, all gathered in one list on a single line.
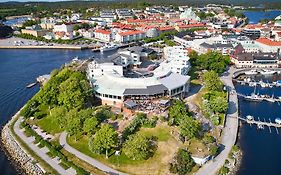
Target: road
[(86, 158), (230, 129), (40, 152)]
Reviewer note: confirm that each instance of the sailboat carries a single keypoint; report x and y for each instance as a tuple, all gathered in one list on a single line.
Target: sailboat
[(253, 96)]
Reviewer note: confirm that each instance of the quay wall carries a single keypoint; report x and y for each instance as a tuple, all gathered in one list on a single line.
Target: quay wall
[(44, 47), (16, 153), (239, 72)]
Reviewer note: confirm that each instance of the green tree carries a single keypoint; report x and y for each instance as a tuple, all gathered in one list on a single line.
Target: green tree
[(182, 163), (71, 94), (212, 81), (104, 140), (74, 123), (58, 115), (90, 125), (211, 60), (138, 147), (177, 111), (29, 23), (223, 171), (219, 104), (189, 128)]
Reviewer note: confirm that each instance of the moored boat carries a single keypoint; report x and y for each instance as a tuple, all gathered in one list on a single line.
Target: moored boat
[(253, 97), (108, 47), (249, 117), (267, 72), (278, 121), (31, 85), (251, 72)]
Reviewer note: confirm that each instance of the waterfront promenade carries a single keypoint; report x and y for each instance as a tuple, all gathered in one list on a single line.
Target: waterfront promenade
[(20, 43), (86, 158), (41, 152), (230, 130)]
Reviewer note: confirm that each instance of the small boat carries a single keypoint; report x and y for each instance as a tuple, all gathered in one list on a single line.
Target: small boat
[(278, 83), (263, 84), (253, 97), (251, 72), (260, 126), (249, 117), (75, 58), (31, 85), (267, 72), (278, 121), (108, 47), (252, 84)]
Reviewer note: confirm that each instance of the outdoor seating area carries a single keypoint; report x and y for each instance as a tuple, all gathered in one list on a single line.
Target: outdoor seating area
[(148, 105)]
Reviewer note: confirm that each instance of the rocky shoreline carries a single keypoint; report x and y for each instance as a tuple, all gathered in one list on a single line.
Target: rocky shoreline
[(20, 158)]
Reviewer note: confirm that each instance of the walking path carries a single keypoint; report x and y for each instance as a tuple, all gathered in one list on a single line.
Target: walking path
[(54, 163), (86, 158), (194, 108), (230, 129)]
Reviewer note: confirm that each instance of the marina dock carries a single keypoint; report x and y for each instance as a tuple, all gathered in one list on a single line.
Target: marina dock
[(258, 83), (258, 98), (260, 124)]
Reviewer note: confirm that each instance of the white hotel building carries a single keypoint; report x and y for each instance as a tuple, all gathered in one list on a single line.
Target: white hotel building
[(113, 88)]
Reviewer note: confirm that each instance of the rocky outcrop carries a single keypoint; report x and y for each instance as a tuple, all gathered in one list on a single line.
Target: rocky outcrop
[(17, 153)]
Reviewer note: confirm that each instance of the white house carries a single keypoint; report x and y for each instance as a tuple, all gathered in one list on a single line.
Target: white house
[(63, 31), (131, 35), (103, 35), (201, 160)]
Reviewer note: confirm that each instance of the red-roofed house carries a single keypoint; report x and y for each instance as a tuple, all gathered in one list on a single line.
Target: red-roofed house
[(189, 26), (166, 29), (131, 35), (268, 45), (103, 35)]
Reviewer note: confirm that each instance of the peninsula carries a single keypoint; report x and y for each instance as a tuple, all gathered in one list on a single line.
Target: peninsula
[(155, 97)]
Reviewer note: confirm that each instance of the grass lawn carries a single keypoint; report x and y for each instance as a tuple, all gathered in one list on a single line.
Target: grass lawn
[(81, 163), (50, 155), (64, 165), (198, 148), (157, 164), (48, 125), (161, 132), (40, 145)]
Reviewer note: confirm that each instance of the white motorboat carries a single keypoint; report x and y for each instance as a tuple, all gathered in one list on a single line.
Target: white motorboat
[(249, 117), (267, 72), (253, 97), (251, 72), (108, 47), (278, 121)]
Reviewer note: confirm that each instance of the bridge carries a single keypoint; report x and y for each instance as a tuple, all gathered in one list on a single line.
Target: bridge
[(260, 124)]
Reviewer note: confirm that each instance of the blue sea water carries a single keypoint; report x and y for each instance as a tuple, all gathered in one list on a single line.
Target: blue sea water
[(19, 67), (261, 149), (255, 16)]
